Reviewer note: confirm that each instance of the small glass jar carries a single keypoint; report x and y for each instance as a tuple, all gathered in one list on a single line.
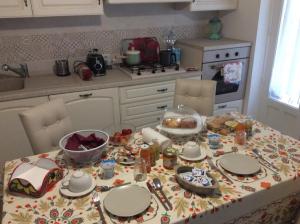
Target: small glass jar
[(169, 158), (249, 127), (240, 137)]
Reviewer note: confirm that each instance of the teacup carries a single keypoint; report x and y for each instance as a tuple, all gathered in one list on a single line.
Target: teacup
[(191, 150), (78, 182)]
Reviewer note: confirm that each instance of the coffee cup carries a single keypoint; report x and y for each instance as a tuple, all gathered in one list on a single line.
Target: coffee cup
[(78, 182), (191, 150)]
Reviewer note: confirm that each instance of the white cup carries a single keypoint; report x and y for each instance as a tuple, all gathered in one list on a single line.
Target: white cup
[(78, 182), (191, 150)]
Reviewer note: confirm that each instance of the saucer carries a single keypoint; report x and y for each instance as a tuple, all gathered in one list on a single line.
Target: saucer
[(66, 192), (201, 157)]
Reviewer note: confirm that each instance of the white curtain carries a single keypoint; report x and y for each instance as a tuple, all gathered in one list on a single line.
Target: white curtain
[(285, 82)]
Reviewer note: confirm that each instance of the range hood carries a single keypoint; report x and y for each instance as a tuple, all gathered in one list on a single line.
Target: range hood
[(144, 1)]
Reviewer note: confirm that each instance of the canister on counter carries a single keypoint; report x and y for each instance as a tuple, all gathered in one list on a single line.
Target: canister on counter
[(145, 154), (169, 158)]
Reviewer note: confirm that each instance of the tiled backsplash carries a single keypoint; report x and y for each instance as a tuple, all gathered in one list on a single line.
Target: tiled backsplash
[(35, 47)]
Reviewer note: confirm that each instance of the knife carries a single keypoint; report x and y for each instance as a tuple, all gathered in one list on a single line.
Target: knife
[(151, 189), (214, 167)]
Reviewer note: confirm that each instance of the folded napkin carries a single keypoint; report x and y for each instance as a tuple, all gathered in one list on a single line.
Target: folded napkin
[(232, 72), (76, 140), (150, 134)]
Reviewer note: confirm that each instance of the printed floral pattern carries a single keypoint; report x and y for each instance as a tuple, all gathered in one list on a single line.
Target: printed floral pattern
[(282, 151)]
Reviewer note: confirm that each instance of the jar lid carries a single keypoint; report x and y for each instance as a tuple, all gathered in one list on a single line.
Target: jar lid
[(170, 152)]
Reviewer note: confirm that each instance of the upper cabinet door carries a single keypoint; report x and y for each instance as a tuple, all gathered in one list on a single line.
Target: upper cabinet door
[(66, 7), (205, 5), (144, 1), (15, 8)]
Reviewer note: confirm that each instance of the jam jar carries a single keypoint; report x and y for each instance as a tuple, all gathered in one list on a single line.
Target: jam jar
[(169, 158)]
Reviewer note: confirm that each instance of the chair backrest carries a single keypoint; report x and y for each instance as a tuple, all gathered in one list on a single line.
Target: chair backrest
[(45, 124), (196, 94)]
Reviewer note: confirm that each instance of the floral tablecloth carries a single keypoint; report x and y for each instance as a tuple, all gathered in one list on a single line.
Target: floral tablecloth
[(263, 198)]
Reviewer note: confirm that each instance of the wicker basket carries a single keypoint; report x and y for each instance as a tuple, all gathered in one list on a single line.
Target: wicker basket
[(202, 190)]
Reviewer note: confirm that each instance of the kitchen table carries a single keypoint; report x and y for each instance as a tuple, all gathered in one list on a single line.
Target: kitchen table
[(262, 198)]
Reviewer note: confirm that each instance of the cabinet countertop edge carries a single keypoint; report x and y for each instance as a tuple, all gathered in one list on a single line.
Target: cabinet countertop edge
[(45, 85)]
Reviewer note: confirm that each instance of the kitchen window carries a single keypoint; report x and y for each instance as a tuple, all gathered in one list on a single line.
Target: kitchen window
[(285, 81)]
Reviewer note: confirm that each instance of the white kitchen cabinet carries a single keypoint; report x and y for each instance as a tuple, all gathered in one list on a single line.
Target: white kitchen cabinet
[(15, 8), (209, 5), (14, 141), (232, 106), (144, 1), (96, 109), (66, 7)]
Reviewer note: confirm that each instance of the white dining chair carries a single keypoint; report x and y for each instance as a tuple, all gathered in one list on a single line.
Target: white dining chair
[(45, 124), (196, 94)]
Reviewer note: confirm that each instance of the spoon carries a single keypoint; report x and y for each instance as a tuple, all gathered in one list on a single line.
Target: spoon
[(158, 186), (259, 155)]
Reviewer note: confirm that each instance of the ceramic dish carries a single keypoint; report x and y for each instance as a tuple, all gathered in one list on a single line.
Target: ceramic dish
[(201, 157), (127, 201), (66, 192), (240, 164)]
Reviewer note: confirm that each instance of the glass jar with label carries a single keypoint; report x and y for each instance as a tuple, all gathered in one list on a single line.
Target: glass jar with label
[(169, 158), (145, 154)]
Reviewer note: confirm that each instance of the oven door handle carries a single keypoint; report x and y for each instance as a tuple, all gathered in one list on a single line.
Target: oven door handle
[(217, 67)]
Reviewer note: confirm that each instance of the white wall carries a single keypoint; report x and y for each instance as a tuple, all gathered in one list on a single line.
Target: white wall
[(243, 24)]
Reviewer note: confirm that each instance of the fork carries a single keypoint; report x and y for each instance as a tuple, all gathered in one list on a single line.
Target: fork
[(97, 202)]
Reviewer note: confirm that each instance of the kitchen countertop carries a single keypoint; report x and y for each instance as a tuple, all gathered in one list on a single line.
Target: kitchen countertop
[(44, 85)]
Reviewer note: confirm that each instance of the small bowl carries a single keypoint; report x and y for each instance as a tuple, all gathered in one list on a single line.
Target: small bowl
[(87, 156), (191, 150), (78, 182)]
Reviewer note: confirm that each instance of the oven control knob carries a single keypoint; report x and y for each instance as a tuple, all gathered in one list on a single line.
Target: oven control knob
[(227, 55), (236, 53), (217, 56)]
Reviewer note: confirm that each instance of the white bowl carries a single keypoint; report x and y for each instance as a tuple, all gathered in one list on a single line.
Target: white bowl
[(90, 155), (78, 182), (191, 150)]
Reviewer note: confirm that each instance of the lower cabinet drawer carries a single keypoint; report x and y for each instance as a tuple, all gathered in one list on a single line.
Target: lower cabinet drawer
[(146, 121), (148, 108)]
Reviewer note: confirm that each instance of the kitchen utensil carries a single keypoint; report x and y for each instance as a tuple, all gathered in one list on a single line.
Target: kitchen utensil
[(270, 168), (158, 186), (97, 202), (96, 63), (151, 189), (104, 188), (167, 58), (62, 67), (127, 201), (139, 170), (202, 190), (240, 164), (133, 57), (220, 153), (214, 167), (259, 155)]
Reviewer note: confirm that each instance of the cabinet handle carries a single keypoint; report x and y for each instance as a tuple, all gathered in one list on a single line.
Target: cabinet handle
[(158, 119), (25, 2), (162, 90), (87, 95), (162, 107), (222, 106), (99, 1)]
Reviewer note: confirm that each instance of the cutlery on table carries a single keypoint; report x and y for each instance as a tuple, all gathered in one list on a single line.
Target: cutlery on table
[(259, 155), (214, 167), (151, 189), (97, 202), (218, 153), (159, 187), (104, 188)]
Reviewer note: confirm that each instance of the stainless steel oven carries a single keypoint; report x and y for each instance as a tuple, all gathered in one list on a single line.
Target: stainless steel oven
[(213, 63)]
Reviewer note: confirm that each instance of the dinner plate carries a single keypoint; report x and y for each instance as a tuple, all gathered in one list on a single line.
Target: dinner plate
[(66, 192), (201, 157), (185, 131), (240, 164), (127, 201)]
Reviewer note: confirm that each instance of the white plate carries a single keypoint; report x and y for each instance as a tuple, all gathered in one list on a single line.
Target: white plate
[(127, 201), (240, 164), (201, 157), (66, 192), (185, 131)]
